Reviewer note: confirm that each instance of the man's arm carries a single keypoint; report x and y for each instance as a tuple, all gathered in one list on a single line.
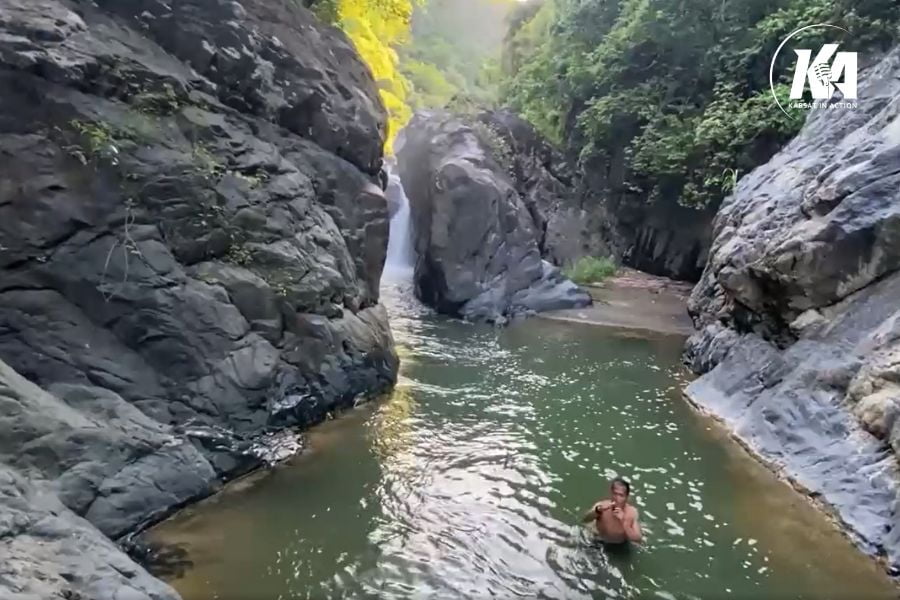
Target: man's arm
[(595, 511), (633, 528)]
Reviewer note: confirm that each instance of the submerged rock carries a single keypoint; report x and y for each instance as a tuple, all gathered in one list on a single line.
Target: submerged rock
[(192, 235), (798, 311), (477, 247)]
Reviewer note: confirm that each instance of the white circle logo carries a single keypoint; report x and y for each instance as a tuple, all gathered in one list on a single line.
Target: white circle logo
[(825, 73)]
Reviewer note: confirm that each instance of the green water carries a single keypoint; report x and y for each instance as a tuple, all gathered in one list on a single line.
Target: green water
[(469, 481)]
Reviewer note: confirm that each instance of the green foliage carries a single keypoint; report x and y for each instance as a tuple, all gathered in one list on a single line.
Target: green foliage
[(452, 53), (325, 10), (589, 269), (253, 180), (430, 87), (528, 54), (162, 103), (96, 142), (376, 28), (463, 104), (423, 53), (281, 284), (674, 93), (239, 254), (205, 163)]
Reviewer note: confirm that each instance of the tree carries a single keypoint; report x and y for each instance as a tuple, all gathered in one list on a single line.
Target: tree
[(676, 91)]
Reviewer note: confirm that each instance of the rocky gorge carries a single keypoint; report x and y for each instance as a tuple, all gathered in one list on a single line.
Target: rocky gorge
[(796, 310), (558, 205), (193, 232), (191, 239), (193, 229), (586, 210)]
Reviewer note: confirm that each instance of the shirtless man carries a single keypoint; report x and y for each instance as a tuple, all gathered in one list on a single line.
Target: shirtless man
[(617, 521)]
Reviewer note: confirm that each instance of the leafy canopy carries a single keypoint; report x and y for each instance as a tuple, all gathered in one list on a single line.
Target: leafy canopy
[(669, 99), (424, 53)]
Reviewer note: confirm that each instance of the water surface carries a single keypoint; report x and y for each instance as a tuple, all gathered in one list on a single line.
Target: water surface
[(470, 479)]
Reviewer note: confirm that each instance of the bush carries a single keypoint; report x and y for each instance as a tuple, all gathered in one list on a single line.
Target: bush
[(590, 270)]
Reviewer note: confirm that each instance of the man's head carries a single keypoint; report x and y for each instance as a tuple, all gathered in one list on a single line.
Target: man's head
[(620, 490)]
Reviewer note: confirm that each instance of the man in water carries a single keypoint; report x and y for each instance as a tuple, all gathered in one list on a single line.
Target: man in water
[(617, 521)]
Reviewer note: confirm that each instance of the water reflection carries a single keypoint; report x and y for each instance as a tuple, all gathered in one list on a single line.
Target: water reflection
[(469, 482)]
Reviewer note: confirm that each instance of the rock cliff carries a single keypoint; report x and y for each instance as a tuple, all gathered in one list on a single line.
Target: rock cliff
[(70, 466), (798, 311), (548, 186), (478, 248), (191, 240), (583, 211)]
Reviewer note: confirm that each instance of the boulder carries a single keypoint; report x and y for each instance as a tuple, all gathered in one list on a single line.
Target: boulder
[(478, 250), (192, 235), (105, 459), (797, 310)]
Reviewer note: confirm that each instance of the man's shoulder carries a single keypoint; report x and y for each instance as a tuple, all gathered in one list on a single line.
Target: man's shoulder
[(631, 511)]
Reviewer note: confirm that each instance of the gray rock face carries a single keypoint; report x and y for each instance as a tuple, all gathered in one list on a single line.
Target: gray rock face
[(83, 453), (549, 188), (49, 552), (106, 459), (586, 211), (798, 311), (477, 245), (191, 240)]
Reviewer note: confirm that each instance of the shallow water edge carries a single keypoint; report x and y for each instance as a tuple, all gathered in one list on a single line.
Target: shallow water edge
[(831, 514)]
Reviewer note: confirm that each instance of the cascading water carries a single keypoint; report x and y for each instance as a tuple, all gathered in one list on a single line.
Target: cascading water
[(400, 254)]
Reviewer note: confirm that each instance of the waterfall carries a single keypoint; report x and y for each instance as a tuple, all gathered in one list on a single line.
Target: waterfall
[(400, 254)]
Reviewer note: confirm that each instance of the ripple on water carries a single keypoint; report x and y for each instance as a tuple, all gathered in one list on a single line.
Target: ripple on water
[(470, 482)]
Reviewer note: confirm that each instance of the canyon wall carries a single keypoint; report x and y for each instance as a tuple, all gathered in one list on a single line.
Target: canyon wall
[(798, 311), (191, 240)]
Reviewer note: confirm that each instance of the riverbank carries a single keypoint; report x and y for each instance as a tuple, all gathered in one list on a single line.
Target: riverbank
[(636, 301), (798, 325), (813, 497)]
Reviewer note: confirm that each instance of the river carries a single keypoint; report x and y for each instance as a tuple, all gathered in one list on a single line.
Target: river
[(470, 479)]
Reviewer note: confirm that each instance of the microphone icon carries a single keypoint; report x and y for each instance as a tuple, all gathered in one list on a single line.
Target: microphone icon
[(823, 73)]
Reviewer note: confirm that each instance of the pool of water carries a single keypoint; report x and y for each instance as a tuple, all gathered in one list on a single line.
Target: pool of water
[(469, 481)]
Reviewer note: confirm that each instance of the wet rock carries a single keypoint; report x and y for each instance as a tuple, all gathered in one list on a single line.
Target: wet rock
[(184, 185), (229, 453), (476, 242), (86, 454), (797, 311)]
